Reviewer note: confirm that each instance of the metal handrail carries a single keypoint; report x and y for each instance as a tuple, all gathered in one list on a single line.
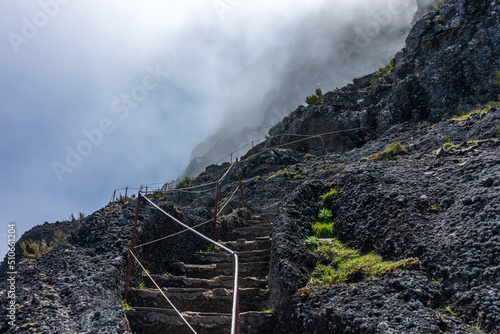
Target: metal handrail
[(234, 313)]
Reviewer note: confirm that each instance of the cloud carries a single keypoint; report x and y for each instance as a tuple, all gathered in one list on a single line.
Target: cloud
[(65, 62)]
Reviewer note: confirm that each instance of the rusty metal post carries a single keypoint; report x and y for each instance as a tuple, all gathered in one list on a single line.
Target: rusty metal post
[(323, 145), (114, 194), (132, 244), (216, 212), (231, 157), (239, 179), (126, 189), (146, 190)]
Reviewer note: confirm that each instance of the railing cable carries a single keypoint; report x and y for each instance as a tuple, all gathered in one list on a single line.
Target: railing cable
[(161, 291)]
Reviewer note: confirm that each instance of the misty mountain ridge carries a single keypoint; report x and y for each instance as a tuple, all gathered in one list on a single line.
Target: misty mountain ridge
[(329, 47)]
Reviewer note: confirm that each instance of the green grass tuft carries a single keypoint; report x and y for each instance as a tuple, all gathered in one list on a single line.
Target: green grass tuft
[(322, 230), (328, 195), (448, 145), (390, 152), (33, 249), (382, 72)]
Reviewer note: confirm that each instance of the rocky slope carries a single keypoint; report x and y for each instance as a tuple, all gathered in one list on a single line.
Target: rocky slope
[(440, 206)]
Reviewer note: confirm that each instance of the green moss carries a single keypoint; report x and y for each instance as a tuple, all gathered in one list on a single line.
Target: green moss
[(390, 152), (440, 3), (448, 145), (310, 156), (287, 175), (328, 195), (346, 265), (465, 116)]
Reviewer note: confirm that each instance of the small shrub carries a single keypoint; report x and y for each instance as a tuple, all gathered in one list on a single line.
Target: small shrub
[(125, 304), (33, 249), (122, 199), (213, 249), (328, 195), (141, 285), (325, 216), (448, 308), (312, 243), (185, 182), (81, 215), (59, 239), (390, 152), (316, 98)]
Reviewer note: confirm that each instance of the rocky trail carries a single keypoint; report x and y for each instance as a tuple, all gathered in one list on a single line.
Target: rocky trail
[(203, 289)]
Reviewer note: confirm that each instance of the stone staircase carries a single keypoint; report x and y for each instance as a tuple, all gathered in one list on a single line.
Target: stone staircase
[(203, 289)]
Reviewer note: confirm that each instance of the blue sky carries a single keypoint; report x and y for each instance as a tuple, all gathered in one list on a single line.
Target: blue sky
[(98, 95)]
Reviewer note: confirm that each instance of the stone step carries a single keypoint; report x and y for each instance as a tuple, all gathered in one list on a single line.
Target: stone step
[(242, 245), (220, 257), (264, 216), (199, 299), (160, 321), (253, 232), (258, 222), (169, 281), (208, 271)]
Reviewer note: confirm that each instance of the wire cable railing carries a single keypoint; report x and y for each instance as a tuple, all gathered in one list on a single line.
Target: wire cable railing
[(235, 309)]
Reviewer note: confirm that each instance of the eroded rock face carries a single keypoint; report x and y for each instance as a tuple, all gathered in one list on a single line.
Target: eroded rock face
[(447, 66), (77, 287)]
